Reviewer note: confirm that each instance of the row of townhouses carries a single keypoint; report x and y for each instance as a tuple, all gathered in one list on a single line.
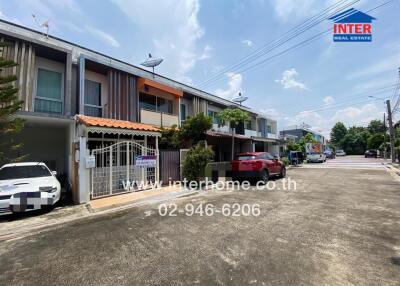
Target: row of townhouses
[(87, 112)]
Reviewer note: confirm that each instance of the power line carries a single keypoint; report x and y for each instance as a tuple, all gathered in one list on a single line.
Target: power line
[(292, 33), (303, 43), (357, 96)]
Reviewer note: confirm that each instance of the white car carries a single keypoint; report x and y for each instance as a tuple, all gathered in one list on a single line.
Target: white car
[(316, 157), (340, 153), (27, 186)]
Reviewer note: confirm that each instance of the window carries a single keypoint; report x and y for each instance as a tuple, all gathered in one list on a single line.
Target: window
[(183, 113), (269, 128), (23, 172), (164, 105), (48, 92), (154, 103), (248, 125), (266, 156), (93, 98), (147, 101), (214, 116)]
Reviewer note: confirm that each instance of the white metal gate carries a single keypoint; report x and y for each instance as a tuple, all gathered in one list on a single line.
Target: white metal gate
[(122, 167)]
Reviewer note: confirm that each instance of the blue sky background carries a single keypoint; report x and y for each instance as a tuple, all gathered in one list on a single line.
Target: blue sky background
[(318, 84)]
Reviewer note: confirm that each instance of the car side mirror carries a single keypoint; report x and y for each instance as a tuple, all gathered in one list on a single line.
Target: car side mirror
[(54, 173), (276, 158)]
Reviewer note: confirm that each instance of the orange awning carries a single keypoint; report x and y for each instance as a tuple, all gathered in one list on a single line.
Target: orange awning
[(114, 123), (142, 82)]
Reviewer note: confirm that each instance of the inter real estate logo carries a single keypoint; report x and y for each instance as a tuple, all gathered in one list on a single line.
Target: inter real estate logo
[(352, 26)]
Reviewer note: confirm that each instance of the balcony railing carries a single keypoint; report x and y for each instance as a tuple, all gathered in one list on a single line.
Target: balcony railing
[(224, 128), (250, 133), (158, 118)]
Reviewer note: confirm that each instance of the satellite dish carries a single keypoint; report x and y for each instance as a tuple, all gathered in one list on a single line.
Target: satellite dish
[(44, 26), (151, 62), (240, 98)]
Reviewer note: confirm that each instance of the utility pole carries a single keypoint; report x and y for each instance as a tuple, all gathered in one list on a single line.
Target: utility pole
[(391, 131), (384, 136)]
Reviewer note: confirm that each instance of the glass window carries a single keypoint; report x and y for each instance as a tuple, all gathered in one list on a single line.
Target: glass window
[(269, 129), (248, 125), (266, 156), (164, 105), (147, 101), (183, 113), (93, 98), (213, 115), (21, 172), (245, 157), (48, 92)]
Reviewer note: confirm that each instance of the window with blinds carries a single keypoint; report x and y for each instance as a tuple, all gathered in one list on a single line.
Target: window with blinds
[(48, 97), (93, 98)]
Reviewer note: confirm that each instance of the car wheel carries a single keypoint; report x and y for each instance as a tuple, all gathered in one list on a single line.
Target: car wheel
[(265, 176), (283, 172)]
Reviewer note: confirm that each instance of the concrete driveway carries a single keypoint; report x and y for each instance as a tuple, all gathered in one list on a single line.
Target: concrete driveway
[(340, 227)]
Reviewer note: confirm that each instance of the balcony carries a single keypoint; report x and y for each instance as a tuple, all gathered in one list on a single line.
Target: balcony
[(272, 136), (217, 128), (250, 133), (158, 118)]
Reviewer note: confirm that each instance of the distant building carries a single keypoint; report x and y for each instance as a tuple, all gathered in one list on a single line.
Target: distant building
[(297, 131)]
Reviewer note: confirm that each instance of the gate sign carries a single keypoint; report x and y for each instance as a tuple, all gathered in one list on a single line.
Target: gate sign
[(146, 161)]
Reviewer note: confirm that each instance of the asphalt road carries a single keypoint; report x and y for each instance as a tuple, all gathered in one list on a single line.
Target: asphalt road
[(340, 227)]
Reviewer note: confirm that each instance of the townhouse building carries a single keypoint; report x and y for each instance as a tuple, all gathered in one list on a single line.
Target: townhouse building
[(96, 120)]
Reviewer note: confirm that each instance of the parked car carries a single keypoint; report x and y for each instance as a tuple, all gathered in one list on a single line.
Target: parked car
[(372, 153), (257, 165), (27, 186), (316, 158), (340, 153), (329, 154)]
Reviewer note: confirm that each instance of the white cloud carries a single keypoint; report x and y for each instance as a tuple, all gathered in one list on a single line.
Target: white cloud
[(171, 22), (234, 86), (288, 80), (248, 43), (107, 38), (323, 122), (329, 100), (358, 115), (293, 9), (206, 53), (272, 112)]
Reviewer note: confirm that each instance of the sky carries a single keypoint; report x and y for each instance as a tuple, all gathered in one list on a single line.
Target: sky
[(203, 44)]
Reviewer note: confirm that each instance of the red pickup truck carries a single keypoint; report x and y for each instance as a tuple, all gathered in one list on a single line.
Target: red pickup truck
[(257, 165)]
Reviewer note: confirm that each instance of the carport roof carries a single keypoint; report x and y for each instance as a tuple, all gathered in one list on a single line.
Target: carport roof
[(114, 123)]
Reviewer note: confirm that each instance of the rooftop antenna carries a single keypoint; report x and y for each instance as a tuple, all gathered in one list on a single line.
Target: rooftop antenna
[(152, 62), (240, 99), (44, 26)]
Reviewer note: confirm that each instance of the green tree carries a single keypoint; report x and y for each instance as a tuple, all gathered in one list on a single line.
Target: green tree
[(195, 128), (338, 132), (9, 105), (234, 116), (195, 162), (375, 141), (355, 141), (376, 126), (170, 138)]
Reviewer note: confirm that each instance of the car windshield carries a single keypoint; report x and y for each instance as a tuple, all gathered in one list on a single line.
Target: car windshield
[(245, 157), (21, 172)]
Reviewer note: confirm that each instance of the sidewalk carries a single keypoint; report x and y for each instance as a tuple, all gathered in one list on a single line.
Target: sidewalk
[(21, 225)]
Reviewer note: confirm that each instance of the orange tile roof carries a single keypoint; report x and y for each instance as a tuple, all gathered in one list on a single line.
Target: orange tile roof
[(114, 123)]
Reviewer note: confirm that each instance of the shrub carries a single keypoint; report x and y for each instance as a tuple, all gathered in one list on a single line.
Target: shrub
[(285, 161), (195, 162)]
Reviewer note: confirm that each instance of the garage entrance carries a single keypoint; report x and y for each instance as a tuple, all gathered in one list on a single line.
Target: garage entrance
[(123, 167)]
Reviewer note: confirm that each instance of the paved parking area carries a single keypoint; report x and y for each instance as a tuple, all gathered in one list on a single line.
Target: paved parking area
[(340, 227)]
